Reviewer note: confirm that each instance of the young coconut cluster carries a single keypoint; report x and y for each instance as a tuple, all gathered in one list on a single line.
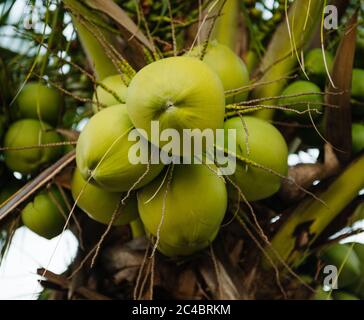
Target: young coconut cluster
[(37, 109), (25, 134), (302, 100), (180, 205)]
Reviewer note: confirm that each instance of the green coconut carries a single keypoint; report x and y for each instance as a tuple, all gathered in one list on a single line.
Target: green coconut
[(178, 92), (262, 144), (315, 65), (102, 152), (192, 208), (296, 96), (115, 93), (25, 133), (46, 214), (100, 204), (38, 101), (230, 68)]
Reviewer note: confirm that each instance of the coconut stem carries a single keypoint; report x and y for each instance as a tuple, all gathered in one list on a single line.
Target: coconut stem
[(98, 58), (137, 228), (311, 217), (226, 27)]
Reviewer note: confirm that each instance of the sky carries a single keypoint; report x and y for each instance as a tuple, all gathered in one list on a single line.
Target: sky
[(28, 251)]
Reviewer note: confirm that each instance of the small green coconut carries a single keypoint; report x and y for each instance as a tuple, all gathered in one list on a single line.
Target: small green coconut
[(38, 101), (191, 205), (230, 68), (261, 143), (297, 96), (315, 65), (25, 133), (46, 214), (113, 93), (102, 152), (100, 204)]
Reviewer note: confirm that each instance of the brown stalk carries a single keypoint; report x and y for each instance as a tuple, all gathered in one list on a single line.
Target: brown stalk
[(64, 284), (338, 120)]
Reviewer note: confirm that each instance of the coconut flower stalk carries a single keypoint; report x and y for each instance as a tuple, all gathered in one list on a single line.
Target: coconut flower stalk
[(311, 217), (85, 21), (284, 51), (226, 27), (339, 120), (136, 46)]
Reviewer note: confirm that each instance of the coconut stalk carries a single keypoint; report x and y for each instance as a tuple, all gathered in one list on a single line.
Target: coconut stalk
[(96, 54), (338, 120), (284, 51), (135, 42), (311, 217), (223, 24), (226, 27), (137, 228)]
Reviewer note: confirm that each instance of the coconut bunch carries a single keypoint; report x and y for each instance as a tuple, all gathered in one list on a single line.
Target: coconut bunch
[(303, 100), (36, 111), (181, 205), (184, 92), (31, 143)]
